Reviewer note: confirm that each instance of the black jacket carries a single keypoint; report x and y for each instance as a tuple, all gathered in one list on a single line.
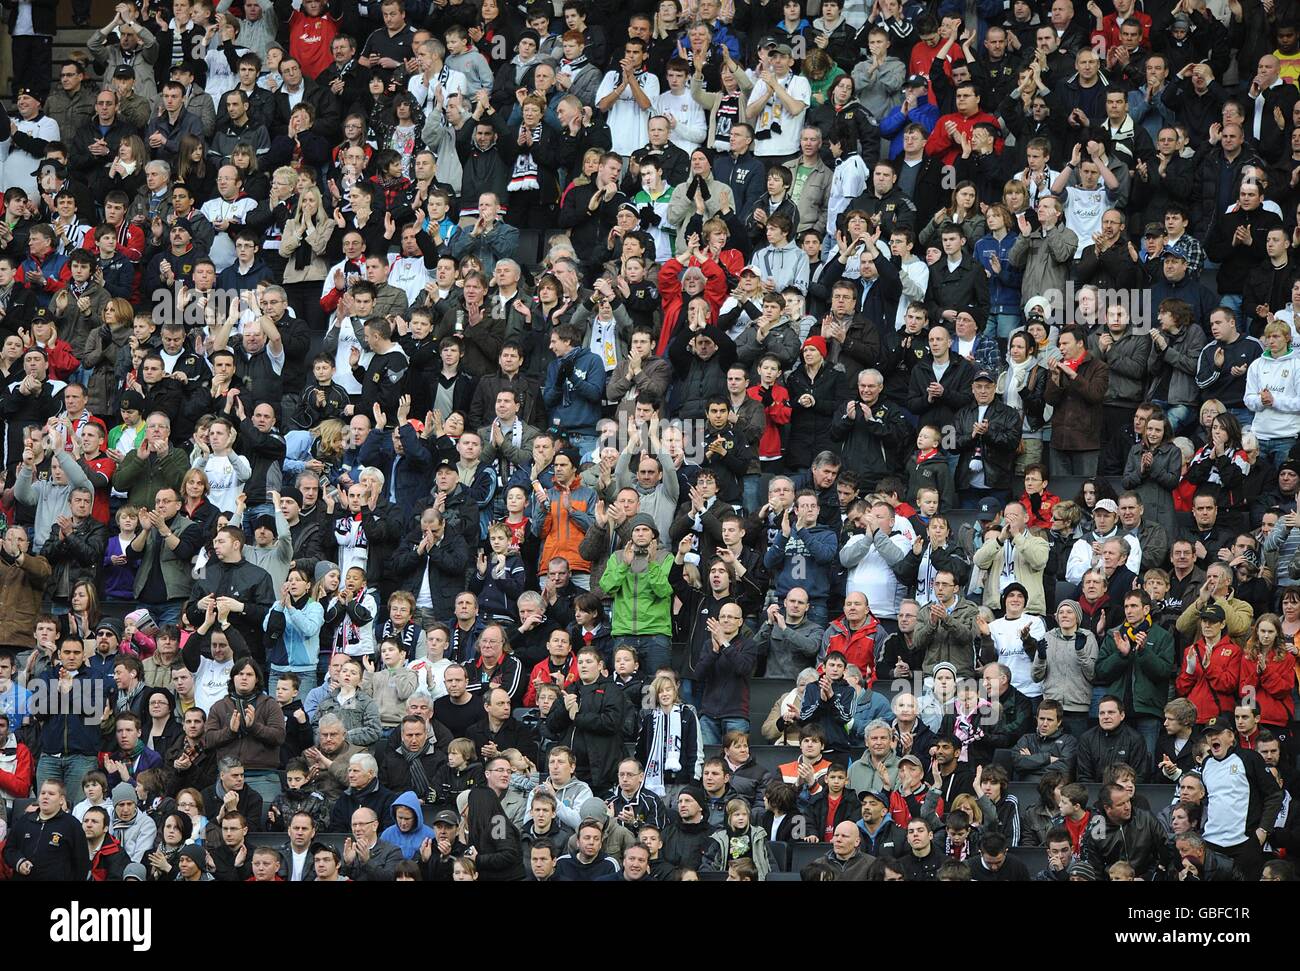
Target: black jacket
[(872, 440), (956, 395), (996, 448), (963, 288), (596, 732), (1099, 748), (56, 847), (1137, 841), (445, 565), (242, 581)]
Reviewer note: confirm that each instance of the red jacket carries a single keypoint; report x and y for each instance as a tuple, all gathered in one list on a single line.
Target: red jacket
[(62, 361), (858, 647), (670, 294), (940, 143), (777, 414), (1273, 689), (1109, 33), (1211, 678), (1043, 518), (18, 783), (542, 672), (109, 862), (902, 808)]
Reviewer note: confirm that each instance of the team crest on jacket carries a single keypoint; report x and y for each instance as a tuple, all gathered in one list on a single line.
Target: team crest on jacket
[(56, 839)]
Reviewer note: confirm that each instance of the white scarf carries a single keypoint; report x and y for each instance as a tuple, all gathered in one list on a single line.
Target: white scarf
[(1017, 375), (665, 749), (9, 763)]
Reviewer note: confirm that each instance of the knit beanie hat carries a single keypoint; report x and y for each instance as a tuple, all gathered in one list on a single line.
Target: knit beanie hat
[(1073, 605), (323, 567), (124, 792), (698, 794), (944, 666), (197, 854), (643, 519)]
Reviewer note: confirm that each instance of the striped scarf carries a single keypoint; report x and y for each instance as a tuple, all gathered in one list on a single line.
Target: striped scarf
[(525, 176)]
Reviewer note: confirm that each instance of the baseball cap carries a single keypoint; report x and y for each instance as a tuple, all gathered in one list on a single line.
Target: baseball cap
[(880, 797), (1213, 611), (1153, 229), (780, 47), (1106, 505), (984, 376), (446, 463), (124, 71), (448, 816), (1220, 723), (912, 759), (1181, 23), (917, 81), (1177, 250)]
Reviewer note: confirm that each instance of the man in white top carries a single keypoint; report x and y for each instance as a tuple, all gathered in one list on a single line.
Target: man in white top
[(1012, 633), (1089, 188), (228, 210), (31, 126), (1088, 550), (880, 541), (435, 80), (913, 272), (626, 96), (685, 116), (777, 106)]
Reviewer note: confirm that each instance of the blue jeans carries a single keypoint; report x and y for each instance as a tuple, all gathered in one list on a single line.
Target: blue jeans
[(261, 509), (712, 730), (1148, 726), (167, 612), (817, 613), (1233, 302), (653, 651), (1276, 449), (752, 492), (266, 783), (306, 680), (1243, 415), (1178, 415), (1002, 326), (68, 769)]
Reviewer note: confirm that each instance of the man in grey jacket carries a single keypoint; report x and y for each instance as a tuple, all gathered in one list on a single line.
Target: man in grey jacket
[(1048, 748), (365, 855), (655, 479), (50, 496), (788, 639)]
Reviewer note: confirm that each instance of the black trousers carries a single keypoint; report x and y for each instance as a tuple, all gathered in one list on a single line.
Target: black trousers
[(1248, 855), (1116, 438), (33, 61)]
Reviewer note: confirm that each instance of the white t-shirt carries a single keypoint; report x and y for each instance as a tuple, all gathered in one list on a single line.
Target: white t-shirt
[(627, 121), (1011, 651), (786, 142), (211, 682), (1083, 212)]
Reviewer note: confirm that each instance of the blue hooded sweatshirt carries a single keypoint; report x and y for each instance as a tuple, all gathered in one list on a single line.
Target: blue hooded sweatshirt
[(409, 843)]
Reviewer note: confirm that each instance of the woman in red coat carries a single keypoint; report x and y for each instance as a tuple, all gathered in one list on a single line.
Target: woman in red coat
[(1268, 668), (1211, 673), (679, 282)]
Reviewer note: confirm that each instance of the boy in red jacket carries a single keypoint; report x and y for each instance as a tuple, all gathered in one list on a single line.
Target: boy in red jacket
[(1211, 673), (776, 410), (558, 669), (16, 765), (1036, 498)]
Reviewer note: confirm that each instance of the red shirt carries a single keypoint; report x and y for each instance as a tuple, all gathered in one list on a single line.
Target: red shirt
[(309, 41), (832, 804), (1077, 830)]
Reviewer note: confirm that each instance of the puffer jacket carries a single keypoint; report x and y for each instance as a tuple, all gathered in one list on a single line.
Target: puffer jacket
[(1127, 361), (574, 391), (1065, 665), (951, 639)]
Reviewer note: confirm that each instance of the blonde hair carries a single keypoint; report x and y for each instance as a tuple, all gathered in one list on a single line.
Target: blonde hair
[(463, 747), (330, 433), (970, 806), (661, 682)]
